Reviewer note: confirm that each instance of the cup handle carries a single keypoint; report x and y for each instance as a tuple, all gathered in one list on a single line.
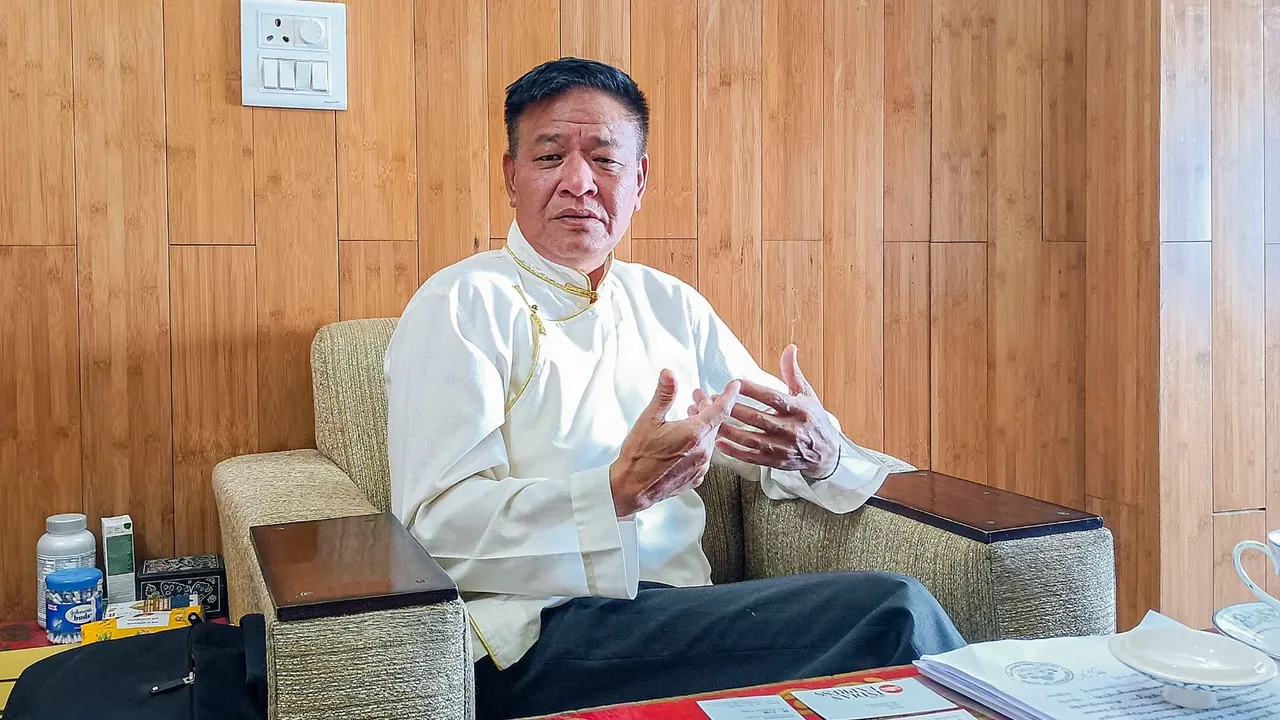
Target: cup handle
[(1248, 581)]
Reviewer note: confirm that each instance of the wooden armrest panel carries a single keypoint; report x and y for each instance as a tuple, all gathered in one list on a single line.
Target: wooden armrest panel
[(975, 511), (347, 565)]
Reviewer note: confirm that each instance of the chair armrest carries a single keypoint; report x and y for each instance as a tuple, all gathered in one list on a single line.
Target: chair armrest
[(404, 662), (1018, 581)]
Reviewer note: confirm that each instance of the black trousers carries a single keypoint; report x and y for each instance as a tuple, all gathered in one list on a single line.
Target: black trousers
[(676, 641)]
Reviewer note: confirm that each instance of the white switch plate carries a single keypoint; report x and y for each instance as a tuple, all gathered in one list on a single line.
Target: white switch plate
[(295, 34)]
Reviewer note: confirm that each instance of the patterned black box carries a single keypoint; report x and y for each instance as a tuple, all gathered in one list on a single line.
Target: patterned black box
[(204, 575)]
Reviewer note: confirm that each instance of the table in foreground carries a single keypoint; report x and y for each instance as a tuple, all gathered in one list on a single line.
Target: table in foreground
[(686, 707)]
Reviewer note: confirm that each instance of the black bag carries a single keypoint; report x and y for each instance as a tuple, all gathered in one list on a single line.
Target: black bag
[(202, 672)]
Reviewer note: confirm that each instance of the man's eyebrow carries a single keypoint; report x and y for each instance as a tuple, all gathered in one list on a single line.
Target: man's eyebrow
[(546, 138)]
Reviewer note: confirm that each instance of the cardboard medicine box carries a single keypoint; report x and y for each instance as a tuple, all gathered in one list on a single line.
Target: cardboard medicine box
[(202, 575), (118, 559)]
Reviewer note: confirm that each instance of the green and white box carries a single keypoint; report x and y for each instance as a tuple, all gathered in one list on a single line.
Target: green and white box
[(117, 558)]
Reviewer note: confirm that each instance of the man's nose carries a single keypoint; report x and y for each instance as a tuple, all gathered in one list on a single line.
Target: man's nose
[(576, 178)]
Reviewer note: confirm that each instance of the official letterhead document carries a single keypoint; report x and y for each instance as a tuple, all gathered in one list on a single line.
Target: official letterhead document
[(1078, 679), (873, 700)]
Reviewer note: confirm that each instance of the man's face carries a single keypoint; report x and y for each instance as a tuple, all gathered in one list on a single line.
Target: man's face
[(577, 177)]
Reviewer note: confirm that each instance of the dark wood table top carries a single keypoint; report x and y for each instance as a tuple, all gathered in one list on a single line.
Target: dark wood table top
[(978, 512), (326, 568)]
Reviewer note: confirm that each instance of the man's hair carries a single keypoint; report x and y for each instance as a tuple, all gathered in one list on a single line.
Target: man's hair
[(556, 77)]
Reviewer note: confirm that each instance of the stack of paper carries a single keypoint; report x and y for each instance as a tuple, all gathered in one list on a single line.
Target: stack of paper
[(1078, 679)]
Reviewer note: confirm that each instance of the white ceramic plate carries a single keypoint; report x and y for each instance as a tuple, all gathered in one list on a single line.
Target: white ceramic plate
[(1192, 659), (1255, 624)]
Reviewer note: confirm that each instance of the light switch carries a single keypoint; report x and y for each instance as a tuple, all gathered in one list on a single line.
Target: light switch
[(287, 79), (320, 76), (271, 73), (304, 75)]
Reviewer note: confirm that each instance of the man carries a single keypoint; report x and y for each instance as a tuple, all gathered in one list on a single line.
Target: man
[(551, 410)]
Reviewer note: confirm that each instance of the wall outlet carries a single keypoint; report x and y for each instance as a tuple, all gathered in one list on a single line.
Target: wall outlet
[(293, 54), (276, 30)]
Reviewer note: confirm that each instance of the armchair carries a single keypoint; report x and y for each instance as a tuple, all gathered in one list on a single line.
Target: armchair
[(1003, 566)]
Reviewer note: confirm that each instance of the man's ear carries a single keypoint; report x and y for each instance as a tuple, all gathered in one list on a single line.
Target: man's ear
[(642, 182), (509, 174)]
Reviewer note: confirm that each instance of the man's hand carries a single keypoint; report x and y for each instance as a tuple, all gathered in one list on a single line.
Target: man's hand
[(660, 459), (794, 433)]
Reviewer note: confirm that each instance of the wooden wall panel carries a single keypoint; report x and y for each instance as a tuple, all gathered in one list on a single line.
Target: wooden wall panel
[(662, 70), (793, 311), (678, 257), (729, 163), (1063, 97), (906, 352), (39, 411), (961, 69), (1273, 407), (453, 156), (297, 230), (958, 359), (377, 157), (597, 30), (1061, 381), (1185, 114), (122, 220), (908, 84), (852, 212), (1186, 409), (1271, 123), (1122, 269), (1238, 321), (215, 384), (375, 279), (1136, 532), (792, 160), (1229, 529), (521, 34), (210, 133), (35, 135)]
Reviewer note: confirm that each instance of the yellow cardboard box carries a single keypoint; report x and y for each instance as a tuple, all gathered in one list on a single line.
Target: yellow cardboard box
[(142, 618)]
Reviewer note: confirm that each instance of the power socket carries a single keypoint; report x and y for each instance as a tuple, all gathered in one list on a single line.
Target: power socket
[(277, 31)]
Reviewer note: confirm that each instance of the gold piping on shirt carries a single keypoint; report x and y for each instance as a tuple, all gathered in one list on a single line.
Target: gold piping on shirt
[(585, 292), (539, 331), (483, 642)]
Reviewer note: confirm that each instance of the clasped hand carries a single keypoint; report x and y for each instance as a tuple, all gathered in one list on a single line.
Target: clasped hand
[(660, 458)]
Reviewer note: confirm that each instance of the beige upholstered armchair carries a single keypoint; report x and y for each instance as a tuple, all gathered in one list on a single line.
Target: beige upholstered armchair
[(1029, 570)]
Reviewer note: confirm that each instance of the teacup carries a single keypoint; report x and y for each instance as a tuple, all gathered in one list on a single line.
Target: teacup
[(1272, 550)]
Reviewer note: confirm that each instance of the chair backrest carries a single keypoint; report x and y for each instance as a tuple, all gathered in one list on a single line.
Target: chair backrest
[(351, 430)]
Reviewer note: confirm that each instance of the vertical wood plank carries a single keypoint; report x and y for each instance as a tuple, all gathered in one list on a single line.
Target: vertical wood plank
[(297, 230), (1273, 400), (1271, 123), (959, 406), (1137, 550), (1122, 355), (375, 279), (906, 352), (792, 161), (121, 213), (453, 147), (521, 35), (793, 285), (674, 256), (1061, 367), (664, 65), (1015, 137), (37, 191), (215, 381), (1186, 409), (961, 67), (39, 411), (1185, 115), (377, 157), (597, 30), (853, 215), (1238, 257), (210, 132), (1064, 95), (1228, 588), (729, 164), (908, 59)]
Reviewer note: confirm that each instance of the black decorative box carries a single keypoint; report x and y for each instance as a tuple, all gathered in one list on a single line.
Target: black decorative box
[(204, 575)]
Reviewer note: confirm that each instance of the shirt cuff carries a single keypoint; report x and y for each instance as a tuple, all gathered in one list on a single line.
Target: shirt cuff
[(610, 557)]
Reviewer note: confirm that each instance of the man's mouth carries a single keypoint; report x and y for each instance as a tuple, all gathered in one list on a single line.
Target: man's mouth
[(578, 215)]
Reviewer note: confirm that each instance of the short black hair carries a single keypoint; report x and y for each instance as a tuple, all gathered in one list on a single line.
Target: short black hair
[(554, 78)]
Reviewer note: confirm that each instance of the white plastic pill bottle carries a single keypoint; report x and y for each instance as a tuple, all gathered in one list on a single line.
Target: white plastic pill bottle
[(67, 543)]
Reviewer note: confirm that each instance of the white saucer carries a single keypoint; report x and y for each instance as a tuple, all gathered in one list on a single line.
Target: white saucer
[(1255, 624), (1192, 664)]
